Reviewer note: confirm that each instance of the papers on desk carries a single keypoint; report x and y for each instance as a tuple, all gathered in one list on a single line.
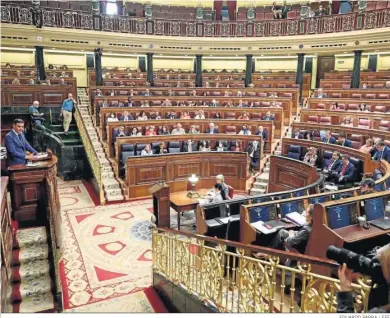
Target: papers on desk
[(331, 187), (296, 218), (32, 164), (222, 221), (203, 201), (260, 226), (41, 156)]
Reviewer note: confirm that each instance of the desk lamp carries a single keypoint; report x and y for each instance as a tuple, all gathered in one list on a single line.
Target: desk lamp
[(194, 180)]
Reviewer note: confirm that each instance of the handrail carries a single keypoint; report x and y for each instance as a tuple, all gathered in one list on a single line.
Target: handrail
[(50, 17), (219, 273), (93, 158)]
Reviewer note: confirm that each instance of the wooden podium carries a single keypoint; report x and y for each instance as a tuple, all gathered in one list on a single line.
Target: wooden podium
[(161, 204)]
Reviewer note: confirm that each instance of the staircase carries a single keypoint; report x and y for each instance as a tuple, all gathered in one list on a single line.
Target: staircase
[(260, 186), (110, 185), (32, 287)]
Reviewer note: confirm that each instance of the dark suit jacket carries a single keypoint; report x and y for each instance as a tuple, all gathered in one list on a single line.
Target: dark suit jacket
[(331, 140), (335, 166), (265, 117), (115, 134), (216, 131), (385, 154), (16, 149), (128, 117), (264, 134), (347, 143), (349, 174), (256, 154), (299, 241)]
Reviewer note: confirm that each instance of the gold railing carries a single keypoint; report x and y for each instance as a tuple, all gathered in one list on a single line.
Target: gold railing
[(93, 158), (221, 274)]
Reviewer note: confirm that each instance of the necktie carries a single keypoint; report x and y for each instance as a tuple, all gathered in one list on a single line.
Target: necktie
[(20, 137)]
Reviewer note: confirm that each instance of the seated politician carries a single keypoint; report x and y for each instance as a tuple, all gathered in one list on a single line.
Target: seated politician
[(17, 145), (36, 115), (328, 139), (345, 172), (212, 129), (342, 141), (383, 152), (333, 163)]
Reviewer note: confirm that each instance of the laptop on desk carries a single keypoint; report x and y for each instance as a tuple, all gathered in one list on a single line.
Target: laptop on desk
[(382, 223)]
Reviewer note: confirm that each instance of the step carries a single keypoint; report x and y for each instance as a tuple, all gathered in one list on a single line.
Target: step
[(260, 184), (107, 174), (34, 268), (29, 286), (27, 255), (257, 191), (72, 142), (268, 164), (278, 153), (115, 198), (266, 169), (29, 237), (34, 304), (111, 184), (113, 192)]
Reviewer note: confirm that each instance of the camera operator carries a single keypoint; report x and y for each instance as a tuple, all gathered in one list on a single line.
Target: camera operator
[(381, 295)]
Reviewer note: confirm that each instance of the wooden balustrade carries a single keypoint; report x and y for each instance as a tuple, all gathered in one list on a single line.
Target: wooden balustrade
[(346, 84), (374, 105), (355, 93), (364, 75), (176, 168)]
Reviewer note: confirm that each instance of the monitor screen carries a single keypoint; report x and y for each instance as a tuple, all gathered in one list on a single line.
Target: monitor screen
[(212, 213), (261, 213), (374, 208), (288, 207), (339, 216), (318, 200)]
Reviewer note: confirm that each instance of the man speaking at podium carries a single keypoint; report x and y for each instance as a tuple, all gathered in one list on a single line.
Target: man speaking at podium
[(16, 145)]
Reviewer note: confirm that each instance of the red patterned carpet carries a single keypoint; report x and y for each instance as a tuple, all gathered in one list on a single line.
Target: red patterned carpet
[(106, 262)]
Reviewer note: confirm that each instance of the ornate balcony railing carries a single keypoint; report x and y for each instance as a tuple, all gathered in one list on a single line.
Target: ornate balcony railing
[(89, 21), (222, 274)]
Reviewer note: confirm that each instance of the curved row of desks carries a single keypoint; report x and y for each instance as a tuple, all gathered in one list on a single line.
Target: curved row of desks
[(379, 105), (154, 101), (223, 134), (291, 93), (368, 93)]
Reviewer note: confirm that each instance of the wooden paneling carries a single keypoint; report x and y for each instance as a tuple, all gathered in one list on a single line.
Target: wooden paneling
[(337, 83), (351, 93), (288, 174), (364, 76), (24, 95), (314, 102), (175, 169)]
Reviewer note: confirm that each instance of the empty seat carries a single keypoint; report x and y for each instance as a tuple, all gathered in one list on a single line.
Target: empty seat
[(139, 148), (230, 115), (379, 109), (327, 85), (268, 16), (357, 141), (259, 16), (281, 86), (355, 95), (174, 146), (383, 96), (364, 123), (230, 130), (312, 120), (371, 5), (325, 120), (64, 5), (326, 155), (291, 15), (370, 96), (379, 85), (358, 167), (335, 95), (384, 125), (262, 94), (320, 106), (241, 16), (294, 152), (345, 86), (353, 106)]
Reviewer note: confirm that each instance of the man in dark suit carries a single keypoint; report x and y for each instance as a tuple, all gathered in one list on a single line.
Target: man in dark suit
[(254, 155), (268, 116), (344, 142), (321, 94), (295, 239), (16, 145), (345, 172), (261, 132), (383, 152), (120, 132), (333, 163), (212, 129), (328, 139)]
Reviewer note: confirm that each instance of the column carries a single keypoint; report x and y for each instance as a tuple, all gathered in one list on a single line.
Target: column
[(198, 67), (355, 82), (248, 70), (299, 80), (149, 63), (98, 52), (40, 63)]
